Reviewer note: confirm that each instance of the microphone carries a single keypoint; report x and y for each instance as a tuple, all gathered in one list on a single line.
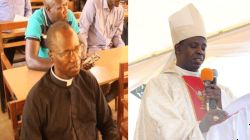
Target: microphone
[(208, 76), (215, 76)]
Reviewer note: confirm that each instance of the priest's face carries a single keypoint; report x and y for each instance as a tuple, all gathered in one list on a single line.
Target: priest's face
[(190, 53), (66, 55)]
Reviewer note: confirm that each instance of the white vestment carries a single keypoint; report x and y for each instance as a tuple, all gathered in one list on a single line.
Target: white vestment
[(166, 111)]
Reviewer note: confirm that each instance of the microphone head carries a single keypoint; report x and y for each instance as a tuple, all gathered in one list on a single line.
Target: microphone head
[(207, 74), (215, 73)]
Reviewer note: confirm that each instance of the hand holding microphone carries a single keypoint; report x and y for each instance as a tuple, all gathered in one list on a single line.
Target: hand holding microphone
[(212, 99), (212, 91)]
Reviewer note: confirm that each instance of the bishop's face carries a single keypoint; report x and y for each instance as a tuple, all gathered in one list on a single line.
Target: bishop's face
[(190, 53)]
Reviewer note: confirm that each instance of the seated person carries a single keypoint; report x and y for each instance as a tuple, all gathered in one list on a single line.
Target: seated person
[(101, 31), (67, 103), (36, 50)]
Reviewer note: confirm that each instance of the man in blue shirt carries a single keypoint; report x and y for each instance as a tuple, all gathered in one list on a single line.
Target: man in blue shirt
[(36, 50)]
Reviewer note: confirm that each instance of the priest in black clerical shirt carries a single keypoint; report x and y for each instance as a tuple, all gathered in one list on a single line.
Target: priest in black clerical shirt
[(66, 103)]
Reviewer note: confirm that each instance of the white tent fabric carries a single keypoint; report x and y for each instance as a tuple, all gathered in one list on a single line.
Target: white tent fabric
[(148, 21)]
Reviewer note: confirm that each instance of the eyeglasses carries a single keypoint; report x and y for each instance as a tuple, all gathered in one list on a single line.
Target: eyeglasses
[(68, 53)]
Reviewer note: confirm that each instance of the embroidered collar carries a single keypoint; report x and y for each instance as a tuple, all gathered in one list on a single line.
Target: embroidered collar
[(186, 72), (180, 71)]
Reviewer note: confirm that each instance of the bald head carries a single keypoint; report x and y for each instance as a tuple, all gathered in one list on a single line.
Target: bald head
[(51, 2), (48, 2), (58, 33)]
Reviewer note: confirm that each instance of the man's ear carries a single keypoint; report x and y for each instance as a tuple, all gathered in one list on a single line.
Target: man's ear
[(47, 8), (177, 48), (51, 55)]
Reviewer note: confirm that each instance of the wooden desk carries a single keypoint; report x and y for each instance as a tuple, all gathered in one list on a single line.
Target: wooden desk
[(20, 80), (107, 67)]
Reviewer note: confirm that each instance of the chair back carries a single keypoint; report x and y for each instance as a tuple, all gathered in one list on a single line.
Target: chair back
[(16, 110), (10, 30), (36, 4), (122, 120)]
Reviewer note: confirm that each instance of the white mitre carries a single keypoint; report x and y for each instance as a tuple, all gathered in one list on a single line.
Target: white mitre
[(186, 23)]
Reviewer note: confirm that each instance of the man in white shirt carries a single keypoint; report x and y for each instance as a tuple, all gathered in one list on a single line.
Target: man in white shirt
[(101, 25)]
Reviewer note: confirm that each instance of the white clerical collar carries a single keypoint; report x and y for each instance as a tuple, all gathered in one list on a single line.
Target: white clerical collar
[(68, 81), (186, 72)]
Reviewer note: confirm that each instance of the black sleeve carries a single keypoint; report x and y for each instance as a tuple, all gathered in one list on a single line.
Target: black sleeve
[(31, 122), (105, 122)]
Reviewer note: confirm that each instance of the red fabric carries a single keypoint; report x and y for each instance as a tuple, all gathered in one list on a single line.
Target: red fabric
[(194, 84)]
